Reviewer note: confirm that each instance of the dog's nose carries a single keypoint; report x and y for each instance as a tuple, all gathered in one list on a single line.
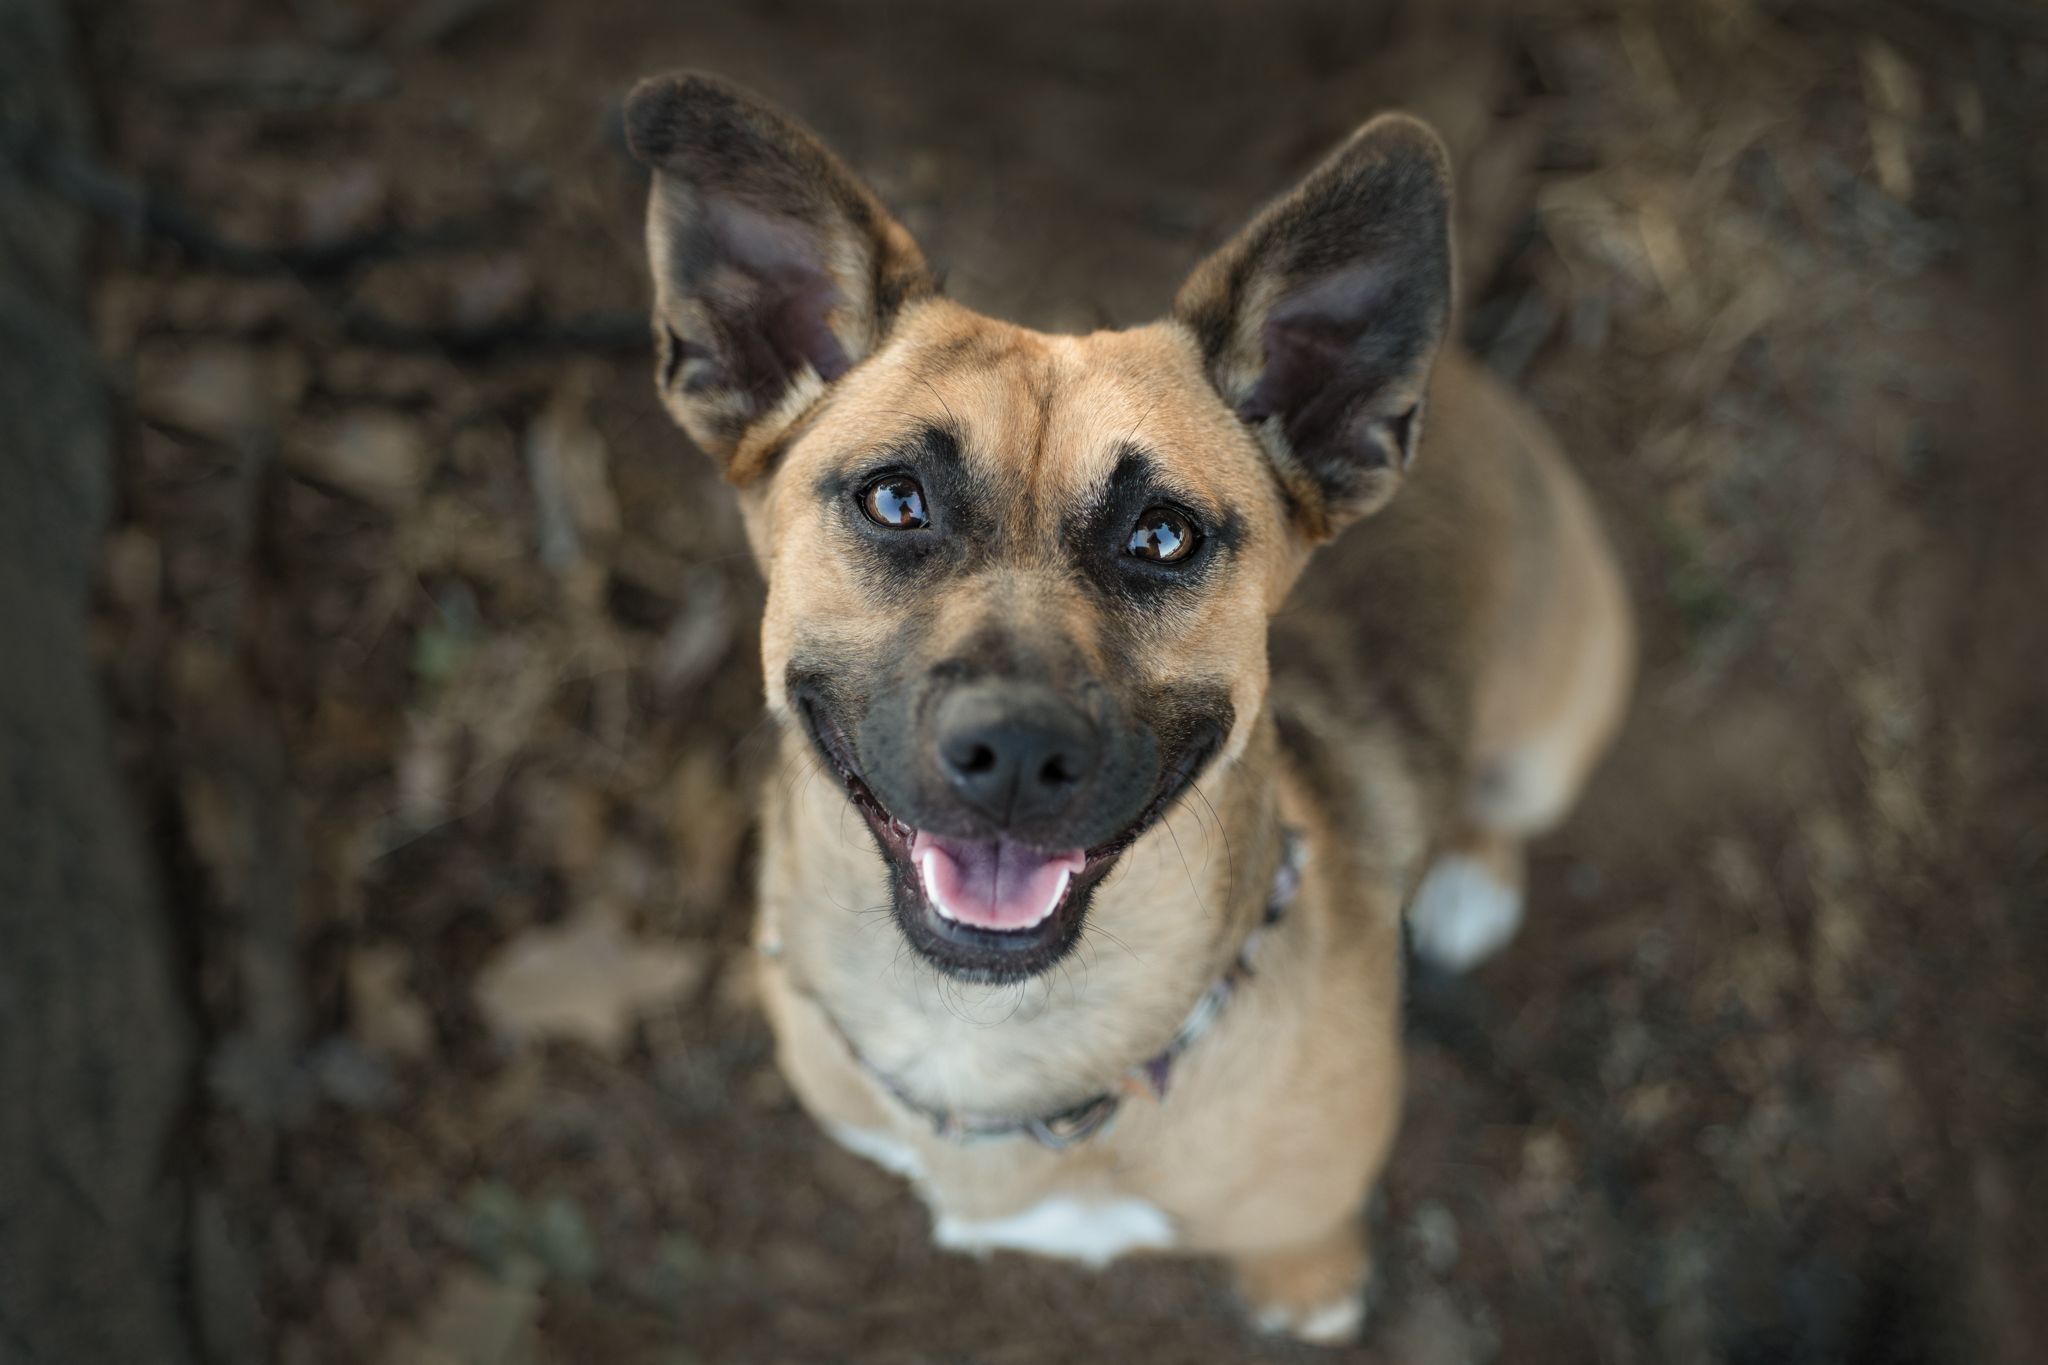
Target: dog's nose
[(1015, 752)]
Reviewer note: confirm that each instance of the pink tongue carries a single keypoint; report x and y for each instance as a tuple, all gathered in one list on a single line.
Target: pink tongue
[(992, 885)]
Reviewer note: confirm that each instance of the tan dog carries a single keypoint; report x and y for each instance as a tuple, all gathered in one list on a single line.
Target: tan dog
[(1087, 738)]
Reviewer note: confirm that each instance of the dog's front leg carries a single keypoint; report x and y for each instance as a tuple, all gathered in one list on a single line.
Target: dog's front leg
[(1313, 1290)]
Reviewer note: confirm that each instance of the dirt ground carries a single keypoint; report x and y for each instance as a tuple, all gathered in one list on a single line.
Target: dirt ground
[(432, 648)]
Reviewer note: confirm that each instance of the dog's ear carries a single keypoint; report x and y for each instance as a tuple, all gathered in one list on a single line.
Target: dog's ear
[(1320, 321), (775, 268)]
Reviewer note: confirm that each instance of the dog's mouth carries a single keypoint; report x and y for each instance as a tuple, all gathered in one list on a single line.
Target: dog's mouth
[(995, 885), (990, 909)]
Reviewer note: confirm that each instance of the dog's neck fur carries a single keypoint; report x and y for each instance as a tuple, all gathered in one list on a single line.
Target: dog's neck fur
[(1161, 928)]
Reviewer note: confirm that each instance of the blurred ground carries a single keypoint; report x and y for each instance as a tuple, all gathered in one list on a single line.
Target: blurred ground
[(431, 646)]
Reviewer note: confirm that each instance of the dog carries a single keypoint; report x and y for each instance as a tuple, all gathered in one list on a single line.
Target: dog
[(1149, 679)]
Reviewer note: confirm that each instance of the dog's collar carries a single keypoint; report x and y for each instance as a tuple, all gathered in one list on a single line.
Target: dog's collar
[(1079, 1122)]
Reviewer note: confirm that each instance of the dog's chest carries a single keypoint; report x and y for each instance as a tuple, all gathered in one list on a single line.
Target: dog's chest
[(1092, 1230)]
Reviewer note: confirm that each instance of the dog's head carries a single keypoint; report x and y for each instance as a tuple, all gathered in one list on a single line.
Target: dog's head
[(1019, 584)]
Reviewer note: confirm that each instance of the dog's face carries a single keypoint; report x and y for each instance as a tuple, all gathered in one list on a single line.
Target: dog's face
[(1018, 597), (1019, 583)]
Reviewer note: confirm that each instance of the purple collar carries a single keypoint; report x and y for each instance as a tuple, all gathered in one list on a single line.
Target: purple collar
[(1079, 1122)]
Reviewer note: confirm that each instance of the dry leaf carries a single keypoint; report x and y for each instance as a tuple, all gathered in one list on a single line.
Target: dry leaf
[(132, 569), (426, 770), (587, 980), (384, 1013), (214, 388), (345, 204), (489, 293), (1891, 91), (372, 454), (708, 827), (473, 1320), (219, 832), (698, 638), (567, 464), (570, 817)]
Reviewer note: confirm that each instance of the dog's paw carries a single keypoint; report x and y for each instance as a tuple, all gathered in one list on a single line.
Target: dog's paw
[(1463, 913), (1316, 1292), (1337, 1322)]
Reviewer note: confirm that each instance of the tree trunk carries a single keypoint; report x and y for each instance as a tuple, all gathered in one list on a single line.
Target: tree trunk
[(95, 1043)]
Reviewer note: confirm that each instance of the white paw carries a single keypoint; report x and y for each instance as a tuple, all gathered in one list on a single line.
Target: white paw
[(1462, 913), (1094, 1232), (1337, 1323)]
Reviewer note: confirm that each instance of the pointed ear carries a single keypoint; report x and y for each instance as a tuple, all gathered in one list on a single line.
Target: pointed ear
[(1320, 321), (775, 268)]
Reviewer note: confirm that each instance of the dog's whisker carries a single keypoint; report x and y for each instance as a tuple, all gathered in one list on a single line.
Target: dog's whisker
[(765, 725), (929, 388), (877, 917), (1118, 941), (1223, 831), (1066, 975), (1188, 872), (794, 768)]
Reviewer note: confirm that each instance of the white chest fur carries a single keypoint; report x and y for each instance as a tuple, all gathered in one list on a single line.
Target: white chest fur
[(1092, 1231), (889, 1152), (1086, 1230)]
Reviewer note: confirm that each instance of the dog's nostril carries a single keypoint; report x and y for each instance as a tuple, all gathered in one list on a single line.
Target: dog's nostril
[(1016, 754)]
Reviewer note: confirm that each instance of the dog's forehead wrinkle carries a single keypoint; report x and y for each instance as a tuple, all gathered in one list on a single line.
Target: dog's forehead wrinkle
[(1052, 437)]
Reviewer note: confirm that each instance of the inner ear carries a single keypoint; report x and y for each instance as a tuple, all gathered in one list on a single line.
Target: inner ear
[(1339, 355), (668, 355), (782, 287), (1320, 322), (775, 268)]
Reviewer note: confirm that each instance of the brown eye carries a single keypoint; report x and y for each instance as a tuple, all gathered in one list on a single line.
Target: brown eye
[(1162, 536), (895, 502)]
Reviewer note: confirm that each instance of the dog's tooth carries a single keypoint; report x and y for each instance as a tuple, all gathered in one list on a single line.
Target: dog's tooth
[(924, 877), (1059, 892)]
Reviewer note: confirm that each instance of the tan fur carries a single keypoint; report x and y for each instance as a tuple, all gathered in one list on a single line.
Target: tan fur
[(1441, 677), (1279, 1120)]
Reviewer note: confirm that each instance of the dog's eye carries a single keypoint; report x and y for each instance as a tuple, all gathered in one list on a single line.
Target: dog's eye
[(895, 502), (1163, 535)]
